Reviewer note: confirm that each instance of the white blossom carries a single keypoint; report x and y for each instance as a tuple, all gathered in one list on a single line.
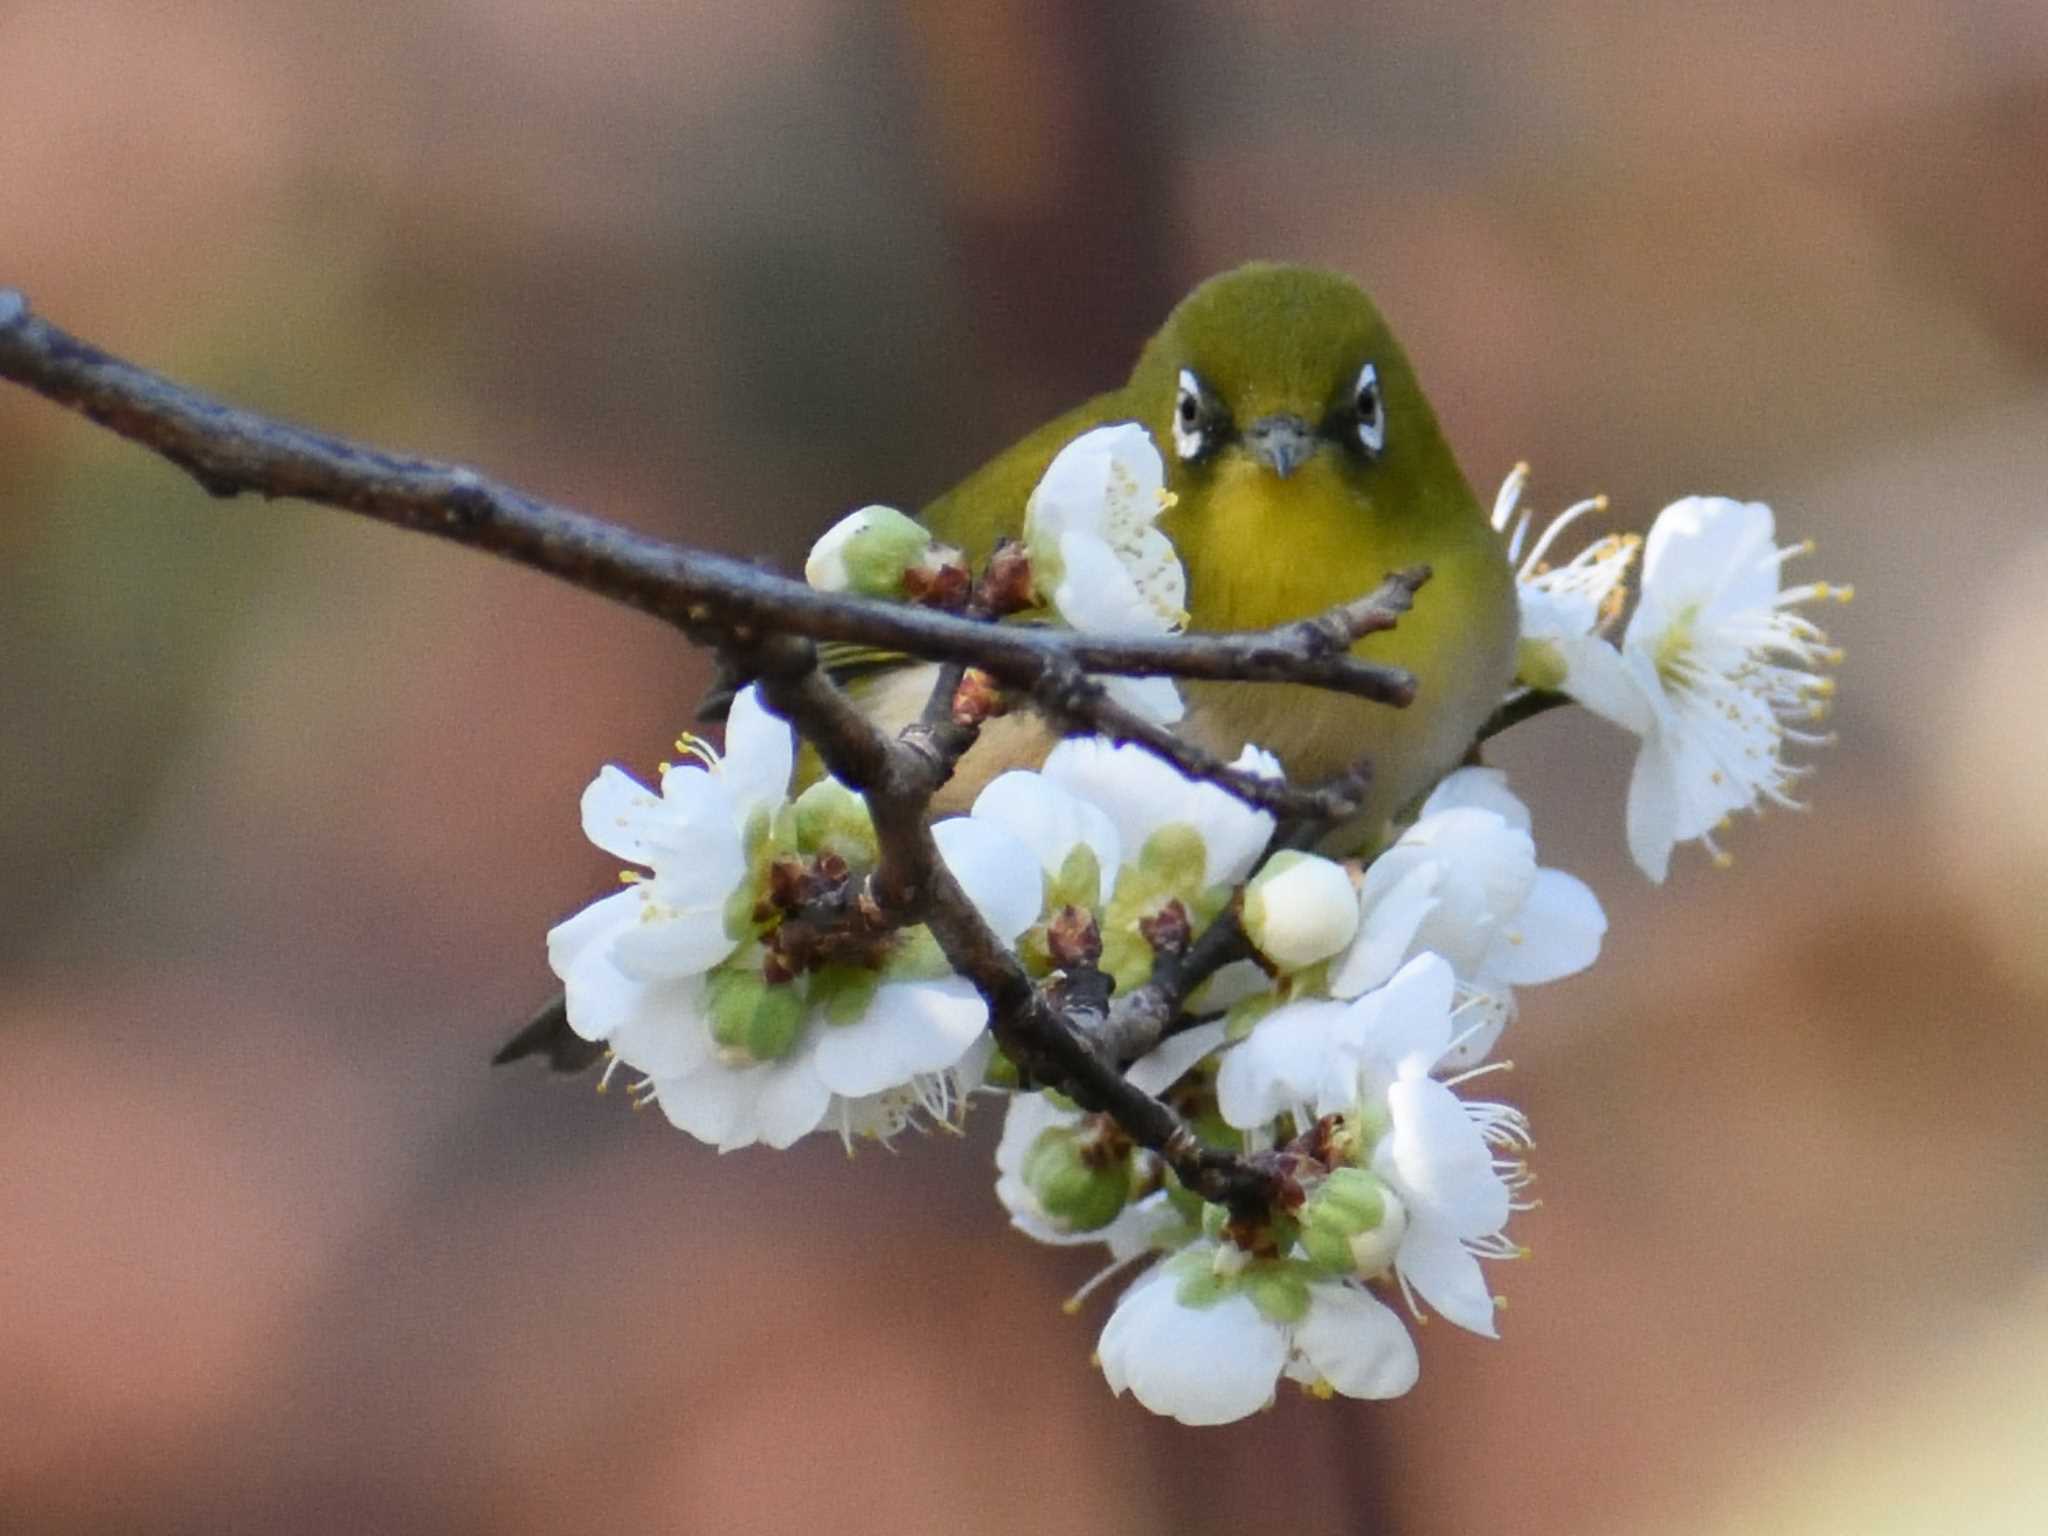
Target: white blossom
[(1096, 555), (670, 975), (1716, 673), (1146, 1221), (1372, 1061), (1565, 609), (1463, 883), (1197, 1340)]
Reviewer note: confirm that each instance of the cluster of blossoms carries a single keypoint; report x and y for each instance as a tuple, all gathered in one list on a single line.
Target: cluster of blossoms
[(760, 996)]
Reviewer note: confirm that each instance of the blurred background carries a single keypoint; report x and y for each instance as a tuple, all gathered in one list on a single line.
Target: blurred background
[(290, 799)]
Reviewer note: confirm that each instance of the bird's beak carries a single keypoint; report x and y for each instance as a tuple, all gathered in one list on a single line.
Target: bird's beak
[(1281, 443)]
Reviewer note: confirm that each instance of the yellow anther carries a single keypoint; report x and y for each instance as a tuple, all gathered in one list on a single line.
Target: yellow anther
[(1723, 860), (631, 877), (1320, 1390), (1600, 502), (1072, 1307), (1845, 594), (1500, 1303)]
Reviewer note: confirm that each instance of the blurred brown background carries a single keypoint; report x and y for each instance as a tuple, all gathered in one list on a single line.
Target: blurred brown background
[(290, 800)]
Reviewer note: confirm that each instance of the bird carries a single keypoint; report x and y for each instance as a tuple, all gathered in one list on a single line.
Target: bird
[(1304, 463)]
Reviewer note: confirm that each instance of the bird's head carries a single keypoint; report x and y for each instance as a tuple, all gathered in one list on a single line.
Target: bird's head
[(1285, 382)]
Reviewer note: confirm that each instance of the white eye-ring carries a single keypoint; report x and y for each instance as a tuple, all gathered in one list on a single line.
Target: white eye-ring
[(1372, 411), (1190, 418)]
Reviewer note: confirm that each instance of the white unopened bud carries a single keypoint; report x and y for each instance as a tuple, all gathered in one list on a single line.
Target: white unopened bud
[(868, 552), (1300, 909)]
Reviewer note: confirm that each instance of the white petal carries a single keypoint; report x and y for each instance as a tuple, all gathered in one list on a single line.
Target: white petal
[(1709, 551), (1447, 1277), (1233, 833), (1557, 932), (1166, 1063), (1096, 590), (909, 1027), (1439, 1160), (1478, 789), (1050, 822), (1200, 1365), (792, 1103), (1356, 1343), (669, 941), (771, 1102), (999, 874), (760, 754), (1653, 811), (617, 809), (1280, 1064), (597, 924), (1156, 698), (715, 1103), (1601, 679), (1392, 916), (668, 1033), (1407, 1023)]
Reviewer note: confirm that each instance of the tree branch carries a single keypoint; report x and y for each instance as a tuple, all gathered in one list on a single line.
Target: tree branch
[(710, 597)]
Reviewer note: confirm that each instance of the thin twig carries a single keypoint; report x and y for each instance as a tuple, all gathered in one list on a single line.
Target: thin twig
[(1526, 705)]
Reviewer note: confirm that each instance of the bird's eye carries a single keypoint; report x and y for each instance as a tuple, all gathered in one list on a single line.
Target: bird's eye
[(1371, 411), (1190, 418)]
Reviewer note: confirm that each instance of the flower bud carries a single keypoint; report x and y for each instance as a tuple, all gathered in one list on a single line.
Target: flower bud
[(830, 818), (868, 552), (1300, 909), (1352, 1223), (752, 1019), (1079, 1182)]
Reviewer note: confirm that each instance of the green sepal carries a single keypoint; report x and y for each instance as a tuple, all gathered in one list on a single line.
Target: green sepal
[(1242, 1016), (1539, 664), (1278, 1288), (915, 956), (752, 1017), (1078, 883), (842, 992), (1197, 1285), (1349, 1203), (1076, 1192), (830, 818)]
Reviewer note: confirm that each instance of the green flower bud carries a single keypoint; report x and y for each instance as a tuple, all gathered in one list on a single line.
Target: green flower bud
[(1352, 1223), (1079, 1184), (752, 1019), (1540, 664), (830, 818), (1300, 909), (868, 552)]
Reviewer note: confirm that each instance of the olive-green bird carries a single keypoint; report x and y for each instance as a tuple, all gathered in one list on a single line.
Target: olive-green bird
[(1306, 463)]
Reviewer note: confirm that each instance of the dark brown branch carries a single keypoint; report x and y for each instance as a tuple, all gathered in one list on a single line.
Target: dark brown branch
[(1145, 1015), (711, 597), (1082, 705)]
